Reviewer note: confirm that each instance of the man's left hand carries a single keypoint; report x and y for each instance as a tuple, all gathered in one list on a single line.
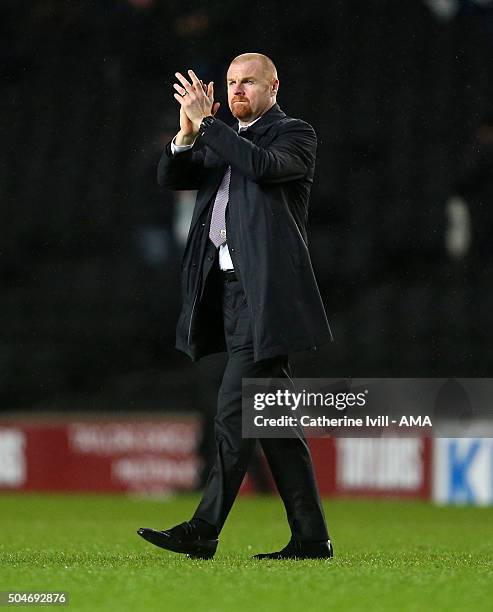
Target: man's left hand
[(196, 100)]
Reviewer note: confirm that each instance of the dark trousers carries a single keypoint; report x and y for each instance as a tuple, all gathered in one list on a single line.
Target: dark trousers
[(289, 458)]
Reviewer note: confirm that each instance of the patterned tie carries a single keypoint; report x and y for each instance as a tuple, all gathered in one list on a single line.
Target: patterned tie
[(217, 232)]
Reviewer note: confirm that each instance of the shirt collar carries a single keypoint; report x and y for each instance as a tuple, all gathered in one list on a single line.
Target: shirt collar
[(263, 123), (244, 126)]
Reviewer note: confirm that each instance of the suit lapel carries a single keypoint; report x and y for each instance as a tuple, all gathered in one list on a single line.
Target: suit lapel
[(217, 167)]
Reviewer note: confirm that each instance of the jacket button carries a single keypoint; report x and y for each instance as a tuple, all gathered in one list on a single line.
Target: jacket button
[(203, 224), (232, 249), (194, 265)]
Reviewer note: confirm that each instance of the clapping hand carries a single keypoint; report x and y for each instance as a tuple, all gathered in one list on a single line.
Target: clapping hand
[(196, 102)]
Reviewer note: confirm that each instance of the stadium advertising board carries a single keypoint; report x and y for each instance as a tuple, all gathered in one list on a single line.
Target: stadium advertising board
[(114, 456), (463, 471)]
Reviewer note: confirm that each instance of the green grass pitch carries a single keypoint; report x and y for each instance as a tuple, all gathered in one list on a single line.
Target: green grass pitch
[(389, 555)]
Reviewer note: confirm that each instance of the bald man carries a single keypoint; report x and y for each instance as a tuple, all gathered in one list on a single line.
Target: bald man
[(248, 286)]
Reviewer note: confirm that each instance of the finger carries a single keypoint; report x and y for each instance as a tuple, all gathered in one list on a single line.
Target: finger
[(181, 90), (215, 107), (210, 90), (179, 98), (194, 78), (199, 86), (184, 82)]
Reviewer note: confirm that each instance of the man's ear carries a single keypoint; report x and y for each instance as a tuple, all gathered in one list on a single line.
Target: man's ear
[(275, 87)]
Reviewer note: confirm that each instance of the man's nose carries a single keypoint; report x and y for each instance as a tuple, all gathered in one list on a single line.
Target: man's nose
[(238, 89)]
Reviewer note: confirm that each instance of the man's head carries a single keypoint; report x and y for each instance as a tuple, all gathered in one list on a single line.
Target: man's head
[(252, 86)]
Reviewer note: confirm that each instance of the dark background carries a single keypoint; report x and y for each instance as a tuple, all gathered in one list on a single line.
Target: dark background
[(400, 95)]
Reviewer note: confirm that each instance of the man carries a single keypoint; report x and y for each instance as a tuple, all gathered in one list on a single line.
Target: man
[(248, 285)]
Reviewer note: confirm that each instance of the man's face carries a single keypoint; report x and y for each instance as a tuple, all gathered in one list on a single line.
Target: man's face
[(249, 90)]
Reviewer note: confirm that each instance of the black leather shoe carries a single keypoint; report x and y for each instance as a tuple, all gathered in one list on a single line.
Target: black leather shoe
[(183, 538), (301, 550)]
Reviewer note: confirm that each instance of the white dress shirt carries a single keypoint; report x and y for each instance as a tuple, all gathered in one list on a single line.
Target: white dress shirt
[(225, 262)]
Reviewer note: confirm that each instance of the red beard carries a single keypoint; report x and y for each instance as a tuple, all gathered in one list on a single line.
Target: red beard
[(240, 110)]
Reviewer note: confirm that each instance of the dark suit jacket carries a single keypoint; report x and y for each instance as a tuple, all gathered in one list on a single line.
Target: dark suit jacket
[(271, 176)]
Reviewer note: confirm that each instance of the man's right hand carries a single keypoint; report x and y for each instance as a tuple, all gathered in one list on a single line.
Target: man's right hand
[(187, 133)]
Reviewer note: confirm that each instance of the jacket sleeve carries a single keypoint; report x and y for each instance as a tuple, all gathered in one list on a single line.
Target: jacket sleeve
[(289, 157), (181, 171)]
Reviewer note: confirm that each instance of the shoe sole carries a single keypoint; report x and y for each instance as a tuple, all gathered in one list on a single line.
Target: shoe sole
[(197, 549), (327, 554)]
